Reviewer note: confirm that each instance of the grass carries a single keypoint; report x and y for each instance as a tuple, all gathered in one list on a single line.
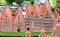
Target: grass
[(48, 33), (12, 34), (22, 33), (35, 33)]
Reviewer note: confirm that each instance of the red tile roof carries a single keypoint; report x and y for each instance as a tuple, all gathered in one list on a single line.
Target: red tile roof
[(57, 31), (55, 14), (44, 7), (19, 8), (37, 8), (42, 34), (28, 9), (8, 12), (18, 13)]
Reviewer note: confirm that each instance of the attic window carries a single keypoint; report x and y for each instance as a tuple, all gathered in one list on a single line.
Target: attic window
[(6, 16), (18, 17), (18, 10)]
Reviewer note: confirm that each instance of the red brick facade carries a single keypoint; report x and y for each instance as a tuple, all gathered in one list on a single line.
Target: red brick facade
[(36, 19)]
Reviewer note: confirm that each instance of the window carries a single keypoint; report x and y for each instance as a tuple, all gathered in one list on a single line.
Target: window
[(28, 29), (47, 16), (58, 19), (36, 16), (48, 26), (6, 16), (58, 1), (18, 30), (18, 20), (18, 17), (58, 12), (41, 14), (58, 7), (28, 16)]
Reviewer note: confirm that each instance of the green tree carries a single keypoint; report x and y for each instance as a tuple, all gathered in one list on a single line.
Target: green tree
[(10, 2), (27, 0), (32, 2), (19, 2), (53, 8)]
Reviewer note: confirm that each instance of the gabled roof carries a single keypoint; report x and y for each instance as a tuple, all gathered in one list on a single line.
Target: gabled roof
[(28, 9), (37, 8), (8, 12), (55, 14), (18, 13), (21, 16), (19, 8), (42, 34), (57, 31), (44, 7)]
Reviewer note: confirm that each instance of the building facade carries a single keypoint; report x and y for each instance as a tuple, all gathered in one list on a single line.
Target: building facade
[(58, 6), (37, 19)]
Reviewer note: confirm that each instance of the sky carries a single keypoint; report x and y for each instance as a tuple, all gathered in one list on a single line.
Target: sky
[(42, 1)]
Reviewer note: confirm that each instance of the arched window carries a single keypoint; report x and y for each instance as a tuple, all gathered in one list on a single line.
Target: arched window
[(28, 29)]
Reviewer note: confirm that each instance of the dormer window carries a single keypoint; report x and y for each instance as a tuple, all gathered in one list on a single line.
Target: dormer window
[(18, 17)]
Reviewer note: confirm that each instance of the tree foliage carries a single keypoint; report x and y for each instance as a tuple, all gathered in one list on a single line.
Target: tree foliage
[(19, 2), (10, 2), (32, 2), (27, 0), (53, 8)]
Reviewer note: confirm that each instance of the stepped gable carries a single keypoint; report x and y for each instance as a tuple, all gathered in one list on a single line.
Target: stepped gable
[(36, 8), (44, 8), (18, 12), (28, 9), (7, 11)]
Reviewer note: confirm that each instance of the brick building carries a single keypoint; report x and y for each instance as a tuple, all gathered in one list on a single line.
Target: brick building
[(37, 19), (58, 6), (6, 20)]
